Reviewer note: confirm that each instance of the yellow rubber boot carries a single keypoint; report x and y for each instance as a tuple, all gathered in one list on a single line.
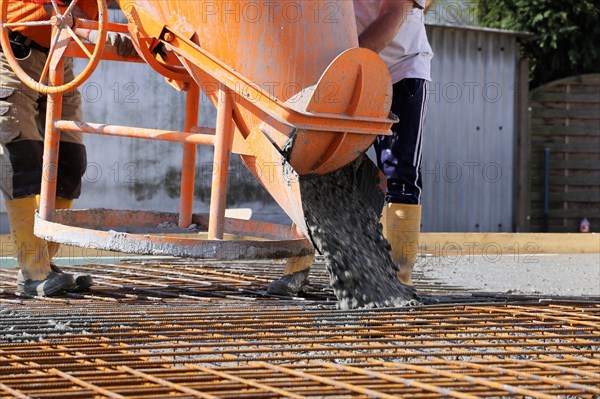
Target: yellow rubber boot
[(82, 282), (60, 203), (401, 227), (32, 251), (295, 277)]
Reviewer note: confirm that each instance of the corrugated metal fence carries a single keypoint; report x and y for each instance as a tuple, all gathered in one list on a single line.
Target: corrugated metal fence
[(468, 161)]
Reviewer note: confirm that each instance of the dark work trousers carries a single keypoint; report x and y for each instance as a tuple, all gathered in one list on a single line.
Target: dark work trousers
[(399, 156)]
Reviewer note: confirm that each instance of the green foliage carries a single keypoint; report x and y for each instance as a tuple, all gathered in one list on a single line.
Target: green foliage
[(568, 41)]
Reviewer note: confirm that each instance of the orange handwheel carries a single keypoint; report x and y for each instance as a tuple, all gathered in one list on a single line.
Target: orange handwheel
[(63, 32)]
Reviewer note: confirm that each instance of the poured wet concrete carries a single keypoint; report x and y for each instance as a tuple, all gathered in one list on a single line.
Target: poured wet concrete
[(342, 211)]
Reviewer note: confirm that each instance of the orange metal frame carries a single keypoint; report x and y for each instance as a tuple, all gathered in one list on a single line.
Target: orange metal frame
[(269, 240), (321, 137), (63, 226)]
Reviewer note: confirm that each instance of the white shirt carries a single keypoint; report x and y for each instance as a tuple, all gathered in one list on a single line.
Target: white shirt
[(409, 54)]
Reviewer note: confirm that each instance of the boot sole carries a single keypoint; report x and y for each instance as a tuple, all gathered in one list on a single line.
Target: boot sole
[(83, 282), (60, 283)]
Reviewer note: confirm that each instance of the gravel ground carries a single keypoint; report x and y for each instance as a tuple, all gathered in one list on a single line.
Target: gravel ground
[(570, 274)]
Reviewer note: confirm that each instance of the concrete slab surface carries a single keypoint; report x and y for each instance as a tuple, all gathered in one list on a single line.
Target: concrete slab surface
[(560, 274)]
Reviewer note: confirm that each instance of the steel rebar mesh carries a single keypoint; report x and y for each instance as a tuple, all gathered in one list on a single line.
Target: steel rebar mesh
[(196, 280), (176, 329)]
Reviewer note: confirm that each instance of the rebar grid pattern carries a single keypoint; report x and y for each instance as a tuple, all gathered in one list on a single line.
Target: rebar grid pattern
[(255, 347), (168, 280)]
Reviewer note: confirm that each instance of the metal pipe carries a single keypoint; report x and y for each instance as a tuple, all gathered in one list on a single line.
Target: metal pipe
[(223, 143), (93, 25), (51, 142), (201, 135), (188, 164)]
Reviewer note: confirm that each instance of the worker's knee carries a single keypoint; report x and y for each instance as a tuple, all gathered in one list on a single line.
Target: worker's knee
[(22, 168), (72, 161)]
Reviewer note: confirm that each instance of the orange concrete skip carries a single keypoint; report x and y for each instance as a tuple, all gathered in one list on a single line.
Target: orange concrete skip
[(509, 243), (290, 93)]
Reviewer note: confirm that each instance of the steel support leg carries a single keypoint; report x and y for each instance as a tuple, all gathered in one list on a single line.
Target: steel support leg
[(188, 165), (223, 144), (51, 145)]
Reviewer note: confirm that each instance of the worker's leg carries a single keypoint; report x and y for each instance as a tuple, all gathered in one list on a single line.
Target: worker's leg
[(72, 160), (295, 276), (399, 158), (60, 203), (401, 227), (21, 149), (72, 157), (82, 281), (36, 276)]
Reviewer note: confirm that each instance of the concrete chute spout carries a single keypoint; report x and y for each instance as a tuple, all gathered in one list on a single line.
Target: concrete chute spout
[(305, 99)]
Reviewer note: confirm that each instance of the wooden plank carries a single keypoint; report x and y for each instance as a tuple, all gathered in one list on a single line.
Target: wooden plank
[(578, 143), (562, 105), (562, 224), (522, 148), (571, 197), (556, 229), (590, 79), (509, 243), (569, 213), (588, 180), (574, 88), (557, 165), (554, 130), (587, 148), (566, 97), (574, 113), (585, 79), (592, 164), (564, 122), (537, 155)]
